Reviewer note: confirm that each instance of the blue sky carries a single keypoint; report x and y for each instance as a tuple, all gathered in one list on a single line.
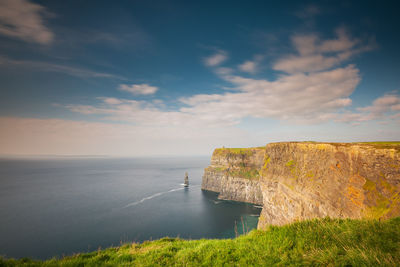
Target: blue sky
[(141, 78)]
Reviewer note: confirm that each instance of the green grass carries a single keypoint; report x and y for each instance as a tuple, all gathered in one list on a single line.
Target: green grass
[(382, 145), (237, 151), (326, 242), (290, 163), (245, 172), (220, 169), (234, 151), (395, 145)]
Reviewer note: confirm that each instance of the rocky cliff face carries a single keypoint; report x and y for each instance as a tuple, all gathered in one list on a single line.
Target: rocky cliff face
[(308, 180), (234, 173)]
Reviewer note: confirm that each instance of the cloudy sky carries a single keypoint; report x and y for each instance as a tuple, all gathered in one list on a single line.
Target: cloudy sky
[(142, 78)]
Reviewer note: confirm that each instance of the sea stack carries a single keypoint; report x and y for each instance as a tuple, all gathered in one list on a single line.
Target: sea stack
[(186, 182)]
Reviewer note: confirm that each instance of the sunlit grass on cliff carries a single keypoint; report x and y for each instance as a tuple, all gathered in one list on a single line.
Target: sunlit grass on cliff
[(325, 242)]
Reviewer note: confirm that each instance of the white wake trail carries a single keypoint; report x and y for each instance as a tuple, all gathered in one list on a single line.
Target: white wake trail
[(155, 195), (151, 197)]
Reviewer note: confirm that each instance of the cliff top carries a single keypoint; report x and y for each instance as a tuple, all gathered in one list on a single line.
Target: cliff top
[(248, 151), (238, 151), (376, 145)]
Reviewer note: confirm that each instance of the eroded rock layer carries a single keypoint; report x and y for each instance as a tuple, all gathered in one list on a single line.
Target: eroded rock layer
[(309, 180), (234, 173), (297, 181)]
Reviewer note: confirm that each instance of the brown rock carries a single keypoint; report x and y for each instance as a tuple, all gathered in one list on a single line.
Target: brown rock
[(297, 181)]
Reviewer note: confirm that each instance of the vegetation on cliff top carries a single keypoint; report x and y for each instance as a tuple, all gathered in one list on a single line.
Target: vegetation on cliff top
[(249, 151), (236, 151), (384, 197), (249, 173), (377, 145), (383, 145), (324, 242), (242, 169)]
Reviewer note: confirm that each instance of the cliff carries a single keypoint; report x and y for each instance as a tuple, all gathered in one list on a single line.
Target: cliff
[(308, 180), (235, 174)]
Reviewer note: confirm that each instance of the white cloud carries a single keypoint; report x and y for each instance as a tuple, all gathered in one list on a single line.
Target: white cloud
[(139, 89), (304, 94), (383, 104), (302, 97), (299, 97), (315, 54), (111, 100), (249, 66), (223, 71), (305, 44), (311, 91), (148, 114), (396, 107), (24, 20), (216, 59), (343, 42), (311, 63), (380, 108)]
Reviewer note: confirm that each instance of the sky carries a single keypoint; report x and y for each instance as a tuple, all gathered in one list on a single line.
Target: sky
[(151, 78)]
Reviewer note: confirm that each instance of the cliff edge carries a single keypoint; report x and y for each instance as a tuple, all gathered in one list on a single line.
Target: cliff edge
[(235, 174), (304, 180)]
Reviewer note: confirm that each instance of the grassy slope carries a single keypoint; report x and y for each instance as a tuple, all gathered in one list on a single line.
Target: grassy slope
[(326, 242), (378, 145), (383, 145)]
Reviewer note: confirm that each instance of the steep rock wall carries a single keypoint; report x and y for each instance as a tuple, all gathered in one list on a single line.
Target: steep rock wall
[(234, 173), (311, 180), (304, 180)]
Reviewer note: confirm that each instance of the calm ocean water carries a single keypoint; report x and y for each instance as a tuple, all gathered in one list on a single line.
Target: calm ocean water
[(64, 206)]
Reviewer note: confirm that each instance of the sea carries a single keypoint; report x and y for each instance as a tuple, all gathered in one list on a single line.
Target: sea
[(59, 206)]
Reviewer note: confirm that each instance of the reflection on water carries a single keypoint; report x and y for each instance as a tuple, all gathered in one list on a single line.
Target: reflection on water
[(65, 206), (233, 218)]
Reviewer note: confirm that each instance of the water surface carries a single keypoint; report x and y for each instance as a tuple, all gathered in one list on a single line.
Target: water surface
[(54, 207)]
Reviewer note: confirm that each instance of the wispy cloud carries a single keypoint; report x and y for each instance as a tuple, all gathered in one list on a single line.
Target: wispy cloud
[(53, 67), (24, 20), (315, 54), (139, 89), (304, 98), (148, 113), (204, 121), (216, 59), (251, 66), (248, 66), (121, 37), (302, 95), (308, 14), (387, 106)]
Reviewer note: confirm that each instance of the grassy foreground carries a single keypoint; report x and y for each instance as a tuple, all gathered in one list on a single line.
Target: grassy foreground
[(326, 242)]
